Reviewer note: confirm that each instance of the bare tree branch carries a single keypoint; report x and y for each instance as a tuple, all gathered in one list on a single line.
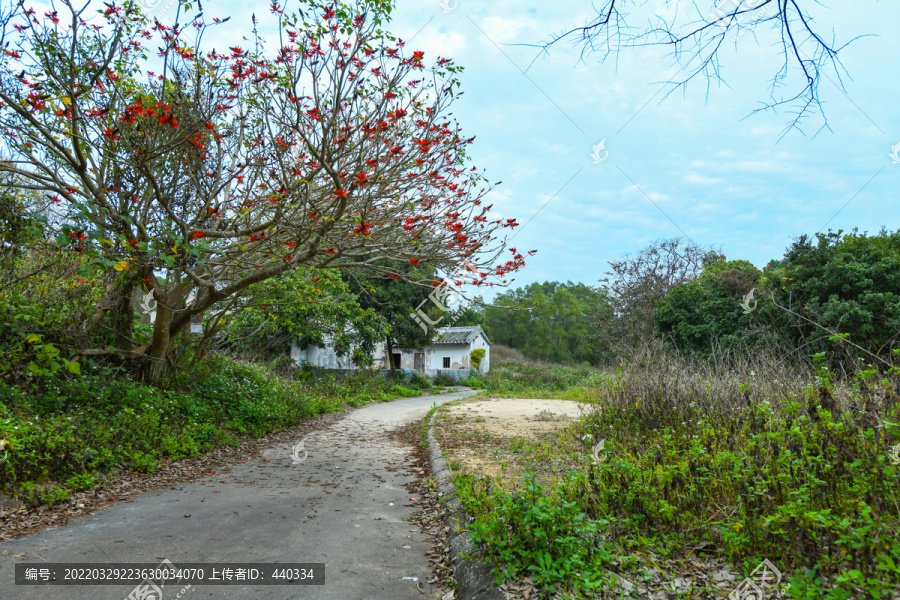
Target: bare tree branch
[(696, 41)]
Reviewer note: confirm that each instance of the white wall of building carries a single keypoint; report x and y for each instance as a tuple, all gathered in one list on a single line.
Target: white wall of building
[(481, 342), (322, 357), (458, 355), (433, 356)]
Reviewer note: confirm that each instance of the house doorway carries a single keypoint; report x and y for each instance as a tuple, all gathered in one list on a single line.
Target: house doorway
[(419, 362), (395, 359)]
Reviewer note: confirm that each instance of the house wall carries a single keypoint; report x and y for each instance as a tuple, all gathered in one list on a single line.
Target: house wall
[(481, 342), (456, 374), (459, 355), (325, 358), (380, 356)]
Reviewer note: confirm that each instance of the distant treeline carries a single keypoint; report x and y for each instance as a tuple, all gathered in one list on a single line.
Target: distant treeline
[(835, 292)]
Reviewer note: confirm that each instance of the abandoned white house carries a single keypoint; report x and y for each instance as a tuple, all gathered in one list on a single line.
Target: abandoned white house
[(448, 353)]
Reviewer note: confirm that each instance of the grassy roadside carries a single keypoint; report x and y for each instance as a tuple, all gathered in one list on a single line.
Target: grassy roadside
[(719, 469), (514, 376), (67, 435)]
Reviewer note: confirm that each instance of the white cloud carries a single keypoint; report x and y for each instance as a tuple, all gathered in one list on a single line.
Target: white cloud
[(701, 179), (442, 44), (638, 190), (503, 30)]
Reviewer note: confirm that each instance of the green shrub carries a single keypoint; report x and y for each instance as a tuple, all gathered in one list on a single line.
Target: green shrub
[(417, 380), (477, 355), (753, 474), (55, 494), (443, 380), (539, 534), (85, 481), (405, 392), (473, 382)]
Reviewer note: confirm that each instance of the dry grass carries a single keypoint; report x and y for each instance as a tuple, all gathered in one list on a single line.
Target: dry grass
[(658, 372), (666, 378), (502, 354)]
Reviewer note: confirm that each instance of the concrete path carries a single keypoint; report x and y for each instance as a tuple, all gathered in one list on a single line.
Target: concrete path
[(344, 506)]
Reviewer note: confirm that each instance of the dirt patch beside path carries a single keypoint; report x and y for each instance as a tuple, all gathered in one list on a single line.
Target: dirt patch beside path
[(487, 436)]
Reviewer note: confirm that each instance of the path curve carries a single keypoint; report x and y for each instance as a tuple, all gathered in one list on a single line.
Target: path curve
[(345, 505)]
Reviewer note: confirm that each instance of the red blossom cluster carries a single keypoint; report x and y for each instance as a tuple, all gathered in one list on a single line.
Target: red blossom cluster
[(388, 159)]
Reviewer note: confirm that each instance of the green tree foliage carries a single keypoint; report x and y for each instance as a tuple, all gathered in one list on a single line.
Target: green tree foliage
[(847, 283), (42, 302), (558, 327), (833, 284), (698, 315), (395, 298), (304, 307), (21, 223)]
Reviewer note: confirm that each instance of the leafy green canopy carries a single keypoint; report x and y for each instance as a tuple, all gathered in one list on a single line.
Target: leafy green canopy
[(305, 307), (558, 325), (848, 283), (845, 284)]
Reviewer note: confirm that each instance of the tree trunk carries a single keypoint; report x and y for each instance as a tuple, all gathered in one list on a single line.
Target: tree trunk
[(121, 317), (389, 348), (159, 343), (115, 311)]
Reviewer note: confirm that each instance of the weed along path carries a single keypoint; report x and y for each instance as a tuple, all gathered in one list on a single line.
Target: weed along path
[(344, 505)]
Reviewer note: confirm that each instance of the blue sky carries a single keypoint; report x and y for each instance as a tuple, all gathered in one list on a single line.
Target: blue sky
[(695, 164)]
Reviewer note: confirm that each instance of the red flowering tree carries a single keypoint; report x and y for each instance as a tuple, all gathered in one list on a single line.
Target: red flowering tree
[(197, 171)]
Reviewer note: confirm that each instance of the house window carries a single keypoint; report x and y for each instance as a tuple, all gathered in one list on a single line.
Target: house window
[(396, 359), (446, 362)]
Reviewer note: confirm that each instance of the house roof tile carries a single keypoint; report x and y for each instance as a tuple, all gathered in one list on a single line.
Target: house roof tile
[(459, 335)]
